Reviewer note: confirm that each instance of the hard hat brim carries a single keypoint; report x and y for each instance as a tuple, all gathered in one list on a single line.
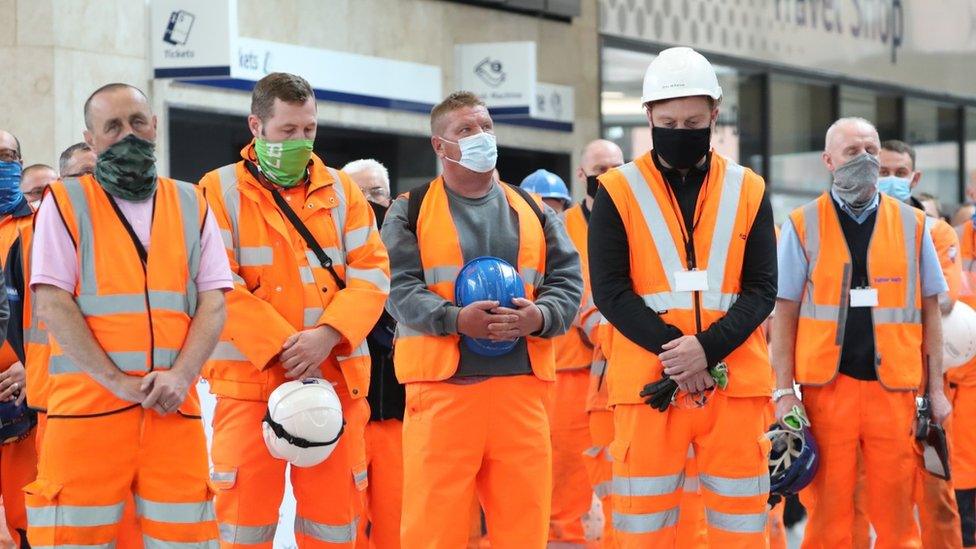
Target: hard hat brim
[(664, 95)]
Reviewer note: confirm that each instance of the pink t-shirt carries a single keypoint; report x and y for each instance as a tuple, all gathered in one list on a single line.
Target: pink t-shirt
[(53, 252)]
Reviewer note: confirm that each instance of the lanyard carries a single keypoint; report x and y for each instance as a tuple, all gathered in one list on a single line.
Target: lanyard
[(688, 239)]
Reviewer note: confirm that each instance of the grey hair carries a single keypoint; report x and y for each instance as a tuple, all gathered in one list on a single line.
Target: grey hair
[(368, 164), (843, 122)]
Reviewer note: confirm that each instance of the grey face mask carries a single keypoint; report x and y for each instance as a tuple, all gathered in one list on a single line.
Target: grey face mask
[(856, 182)]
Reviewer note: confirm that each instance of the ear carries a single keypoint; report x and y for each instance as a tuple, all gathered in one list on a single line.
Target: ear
[(715, 116), (154, 123), (827, 161), (580, 174), (437, 145), (254, 124), (916, 177), (89, 139), (647, 113)]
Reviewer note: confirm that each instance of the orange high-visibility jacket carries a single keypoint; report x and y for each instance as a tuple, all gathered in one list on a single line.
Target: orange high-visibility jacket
[(10, 228), (946, 243), (893, 270), (727, 206), (418, 356), (139, 314), (966, 374), (574, 349), (279, 285), (36, 348)]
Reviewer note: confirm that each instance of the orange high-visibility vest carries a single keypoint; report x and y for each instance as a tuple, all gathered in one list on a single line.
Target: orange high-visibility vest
[(36, 348), (419, 356), (893, 270), (597, 395), (574, 349), (966, 374), (10, 227), (139, 314), (727, 206), (280, 285)]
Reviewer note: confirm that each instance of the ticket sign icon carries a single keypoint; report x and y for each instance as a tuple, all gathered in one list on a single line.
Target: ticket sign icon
[(178, 28)]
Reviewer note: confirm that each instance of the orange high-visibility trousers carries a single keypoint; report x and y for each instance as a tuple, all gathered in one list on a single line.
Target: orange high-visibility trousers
[(490, 438), (845, 414), (692, 526), (89, 467), (937, 511), (384, 494), (251, 483), (861, 532), (572, 494), (776, 528), (18, 468), (650, 451), (599, 467), (963, 436)]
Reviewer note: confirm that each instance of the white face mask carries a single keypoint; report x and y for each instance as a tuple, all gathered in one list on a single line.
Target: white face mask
[(35, 204), (479, 152)]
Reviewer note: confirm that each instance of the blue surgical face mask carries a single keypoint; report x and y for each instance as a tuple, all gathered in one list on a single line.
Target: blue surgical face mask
[(10, 195), (899, 188), (479, 152)]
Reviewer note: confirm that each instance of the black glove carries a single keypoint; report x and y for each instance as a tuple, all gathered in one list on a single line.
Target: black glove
[(658, 395)]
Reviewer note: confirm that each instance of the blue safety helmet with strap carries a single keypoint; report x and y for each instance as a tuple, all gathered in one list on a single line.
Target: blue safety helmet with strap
[(793, 460), (16, 421), (547, 185), (488, 279)]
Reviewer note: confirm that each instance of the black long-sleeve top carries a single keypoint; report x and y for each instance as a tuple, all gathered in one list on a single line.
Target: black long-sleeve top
[(613, 291)]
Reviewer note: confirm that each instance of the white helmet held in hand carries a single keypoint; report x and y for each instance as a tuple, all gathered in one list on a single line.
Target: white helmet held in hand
[(304, 422), (958, 336), (680, 72)]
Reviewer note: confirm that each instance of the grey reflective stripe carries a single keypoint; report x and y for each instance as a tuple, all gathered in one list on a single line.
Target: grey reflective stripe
[(968, 264), (691, 484), (909, 226), (360, 477), (661, 239), (110, 545), (226, 350), (881, 315), (228, 238), (232, 202), (441, 273), (357, 238), (223, 476), (647, 486), (736, 487), (95, 305), (532, 276), (35, 335), (598, 368), (186, 513), (376, 277), (590, 323), (728, 210), (335, 254), (339, 211), (592, 451), (311, 316), (361, 350), (669, 301), (238, 279), (716, 300), (247, 535), (645, 523), (306, 275), (255, 256), (190, 216), (565, 545), (402, 330), (326, 533), (602, 489), (127, 361), (811, 223), (153, 543), (74, 515), (742, 524)]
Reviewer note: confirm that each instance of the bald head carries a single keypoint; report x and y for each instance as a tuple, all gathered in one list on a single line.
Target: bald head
[(598, 157), (113, 112), (9, 147), (847, 138)]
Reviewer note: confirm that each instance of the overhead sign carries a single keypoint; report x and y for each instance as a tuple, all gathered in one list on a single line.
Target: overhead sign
[(192, 39), (554, 107), (502, 74)]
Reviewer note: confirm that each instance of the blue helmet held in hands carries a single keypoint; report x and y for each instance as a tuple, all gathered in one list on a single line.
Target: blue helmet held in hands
[(488, 279)]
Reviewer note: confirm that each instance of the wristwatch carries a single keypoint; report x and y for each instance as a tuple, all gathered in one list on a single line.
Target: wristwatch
[(780, 393)]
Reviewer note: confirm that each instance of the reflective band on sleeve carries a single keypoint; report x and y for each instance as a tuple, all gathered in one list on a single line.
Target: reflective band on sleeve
[(153, 543), (602, 489), (736, 487), (255, 256), (742, 524), (226, 350), (223, 476), (326, 533), (532, 276), (247, 535), (74, 515), (186, 513), (647, 486), (306, 275), (645, 523), (728, 210), (376, 277), (360, 351), (311, 316), (357, 238), (439, 274), (650, 210), (335, 254)]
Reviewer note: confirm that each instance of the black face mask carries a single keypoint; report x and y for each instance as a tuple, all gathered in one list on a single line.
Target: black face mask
[(681, 149), (592, 185)]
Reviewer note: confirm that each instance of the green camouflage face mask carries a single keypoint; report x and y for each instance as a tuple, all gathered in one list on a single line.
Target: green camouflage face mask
[(127, 169), (283, 163)]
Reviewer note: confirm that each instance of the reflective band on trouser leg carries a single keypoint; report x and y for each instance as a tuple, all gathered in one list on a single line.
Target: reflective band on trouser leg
[(572, 495), (599, 468), (692, 527)]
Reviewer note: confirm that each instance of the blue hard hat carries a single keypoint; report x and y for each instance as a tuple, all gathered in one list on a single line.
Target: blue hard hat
[(547, 185), (793, 460), (488, 279)]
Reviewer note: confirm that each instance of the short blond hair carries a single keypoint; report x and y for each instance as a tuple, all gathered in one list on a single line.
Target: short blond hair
[(456, 101)]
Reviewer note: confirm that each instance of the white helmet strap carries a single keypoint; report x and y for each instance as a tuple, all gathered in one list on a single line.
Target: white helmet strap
[(300, 442)]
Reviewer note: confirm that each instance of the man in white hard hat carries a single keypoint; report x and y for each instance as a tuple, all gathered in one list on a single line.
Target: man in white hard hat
[(683, 265)]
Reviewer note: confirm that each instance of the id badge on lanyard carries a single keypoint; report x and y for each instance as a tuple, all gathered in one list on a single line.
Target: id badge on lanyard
[(864, 297), (691, 281)]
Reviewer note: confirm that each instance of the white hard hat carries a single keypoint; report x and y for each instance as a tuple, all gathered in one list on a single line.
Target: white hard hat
[(304, 422), (958, 336), (680, 72)]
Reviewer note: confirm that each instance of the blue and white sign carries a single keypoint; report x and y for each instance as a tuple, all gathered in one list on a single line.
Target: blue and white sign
[(502, 74), (192, 38)]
